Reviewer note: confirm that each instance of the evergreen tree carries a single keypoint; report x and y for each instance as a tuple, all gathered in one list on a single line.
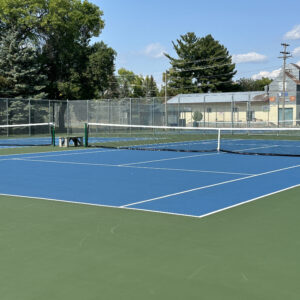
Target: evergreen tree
[(203, 65), (20, 67), (22, 74), (150, 85)]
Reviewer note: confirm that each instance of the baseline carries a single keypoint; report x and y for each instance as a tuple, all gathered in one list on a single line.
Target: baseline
[(210, 186)]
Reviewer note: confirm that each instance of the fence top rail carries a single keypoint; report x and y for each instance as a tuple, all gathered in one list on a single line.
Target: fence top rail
[(75, 100)]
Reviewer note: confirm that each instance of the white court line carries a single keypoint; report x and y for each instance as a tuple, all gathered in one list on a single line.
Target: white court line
[(148, 210), (261, 147), (248, 201), (4, 159), (209, 186), (60, 153), (125, 166), (98, 205), (66, 154), (164, 159)]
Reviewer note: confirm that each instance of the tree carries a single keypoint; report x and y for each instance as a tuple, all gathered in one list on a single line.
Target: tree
[(197, 117), (63, 29), (126, 81), (136, 86), (72, 25), (21, 74), (203, 65), (150, 85), (20, 68), (100, 70), (171, 90), (249, 84)]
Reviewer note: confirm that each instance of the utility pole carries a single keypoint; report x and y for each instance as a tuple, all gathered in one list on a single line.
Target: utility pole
[(166, 108), (285, 56)]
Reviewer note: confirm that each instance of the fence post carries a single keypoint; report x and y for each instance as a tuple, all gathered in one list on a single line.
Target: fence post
[(49, 112), (248, 112), (130, 111), (7, 117), (204, 116), (67, 117), (152, 110), (87, 111), (178, 112), (232, 108), (29, 116), (109, 111)]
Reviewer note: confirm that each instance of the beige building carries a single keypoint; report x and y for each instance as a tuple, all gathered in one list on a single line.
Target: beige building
[(220, 109), (241, 109)]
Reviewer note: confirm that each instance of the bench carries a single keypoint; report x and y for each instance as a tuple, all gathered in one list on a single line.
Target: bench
[(64, 141)]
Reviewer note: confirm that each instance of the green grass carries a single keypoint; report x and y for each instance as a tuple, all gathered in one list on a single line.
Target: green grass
[(51, 250)]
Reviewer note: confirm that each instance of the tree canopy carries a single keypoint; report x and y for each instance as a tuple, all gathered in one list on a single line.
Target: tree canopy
[(46, 50), (249, 84), (62, 31), (135, 86), (20, 70), (202, 65)]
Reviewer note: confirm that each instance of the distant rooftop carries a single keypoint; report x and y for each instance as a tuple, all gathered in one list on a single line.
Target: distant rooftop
[(218, 97)]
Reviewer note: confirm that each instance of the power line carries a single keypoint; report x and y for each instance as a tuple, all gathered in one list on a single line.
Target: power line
[(198, 60)]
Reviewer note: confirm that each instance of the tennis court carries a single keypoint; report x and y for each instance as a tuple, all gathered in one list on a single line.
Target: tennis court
[(136, 224), (176, 183)]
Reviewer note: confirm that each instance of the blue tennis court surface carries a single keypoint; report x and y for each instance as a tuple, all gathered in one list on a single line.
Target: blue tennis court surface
[(193, 184)]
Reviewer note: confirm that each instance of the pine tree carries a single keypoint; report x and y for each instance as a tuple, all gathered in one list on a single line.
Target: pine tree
[(20, 68), (203, 65), (151, 89)]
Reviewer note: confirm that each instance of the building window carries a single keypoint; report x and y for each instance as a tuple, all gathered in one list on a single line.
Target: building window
[(235, 109), (208, 110)]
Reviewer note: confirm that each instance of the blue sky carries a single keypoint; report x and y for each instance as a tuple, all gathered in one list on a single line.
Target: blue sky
[(140, 31)]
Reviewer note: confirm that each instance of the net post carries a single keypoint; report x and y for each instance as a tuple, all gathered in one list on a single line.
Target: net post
[(219, 140), (86, 135)]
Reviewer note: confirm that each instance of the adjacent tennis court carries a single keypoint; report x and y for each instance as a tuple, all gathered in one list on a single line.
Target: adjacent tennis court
[(135, 224)]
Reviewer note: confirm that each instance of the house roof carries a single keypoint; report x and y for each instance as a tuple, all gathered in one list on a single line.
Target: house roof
[(292, 76), (219, 97), (296, 66)]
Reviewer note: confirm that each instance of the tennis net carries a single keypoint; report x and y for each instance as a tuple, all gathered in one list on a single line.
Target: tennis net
[(260, 141), (37, 134)]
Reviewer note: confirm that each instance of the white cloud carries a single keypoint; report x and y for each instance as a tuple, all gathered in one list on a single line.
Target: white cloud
[(248, 57), (296, 51), (155, 50), (294, 34), (261, 74), (298, 63)]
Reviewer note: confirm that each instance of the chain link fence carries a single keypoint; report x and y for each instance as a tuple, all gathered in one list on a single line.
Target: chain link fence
[(70, 116)]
